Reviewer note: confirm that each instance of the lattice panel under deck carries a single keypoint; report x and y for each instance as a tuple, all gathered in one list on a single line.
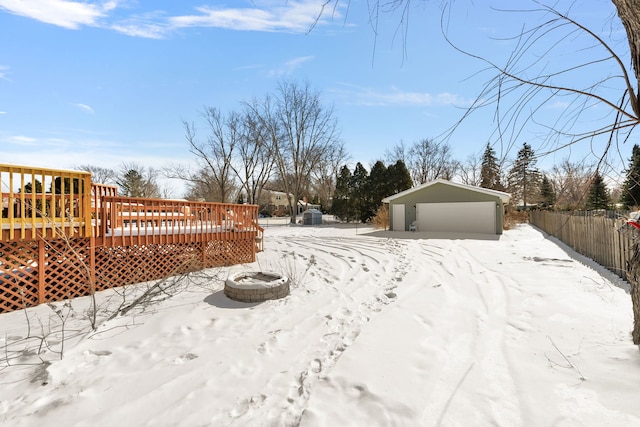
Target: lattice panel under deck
[(134, 264), (18, 275), (68, 272), (65, 266), (229, 252)]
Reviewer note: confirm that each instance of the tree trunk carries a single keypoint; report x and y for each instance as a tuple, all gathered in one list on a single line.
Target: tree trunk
[(633, 277), (628, 13)]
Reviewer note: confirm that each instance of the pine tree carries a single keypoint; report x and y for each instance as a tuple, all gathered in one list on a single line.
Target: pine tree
[(598, 194), (359, 194), (524, 178), (28, 188), (377, 187), (399, 178), (631, 187), (340, 206), (65, 185), (547, 193), (132, 184), (490, 170)]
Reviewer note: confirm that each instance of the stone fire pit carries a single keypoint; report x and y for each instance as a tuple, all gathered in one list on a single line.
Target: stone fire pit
[(256, 286)]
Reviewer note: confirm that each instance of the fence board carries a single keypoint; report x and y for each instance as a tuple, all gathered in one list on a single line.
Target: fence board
[(601, 238)]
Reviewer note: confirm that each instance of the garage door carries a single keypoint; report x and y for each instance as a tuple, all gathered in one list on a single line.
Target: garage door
[(470, 217)]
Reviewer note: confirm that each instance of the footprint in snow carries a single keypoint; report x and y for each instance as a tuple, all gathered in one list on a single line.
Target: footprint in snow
[(184, 358)]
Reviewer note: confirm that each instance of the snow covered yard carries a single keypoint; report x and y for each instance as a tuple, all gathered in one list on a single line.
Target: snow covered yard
[(380, 329)]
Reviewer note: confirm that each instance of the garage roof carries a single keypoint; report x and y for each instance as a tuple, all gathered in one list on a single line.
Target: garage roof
[(505, 197)]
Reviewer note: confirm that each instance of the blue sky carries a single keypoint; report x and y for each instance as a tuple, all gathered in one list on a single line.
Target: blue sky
[(107, 82)]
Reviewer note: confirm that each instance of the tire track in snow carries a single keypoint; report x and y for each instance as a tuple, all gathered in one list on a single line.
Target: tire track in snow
[(480, 357), (349, 263)]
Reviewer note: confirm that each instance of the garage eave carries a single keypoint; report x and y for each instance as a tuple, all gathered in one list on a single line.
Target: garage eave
[(504, 197)]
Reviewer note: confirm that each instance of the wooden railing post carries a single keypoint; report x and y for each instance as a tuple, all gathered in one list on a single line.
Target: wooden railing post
[(42, 274), (86, 208), (92, 264)]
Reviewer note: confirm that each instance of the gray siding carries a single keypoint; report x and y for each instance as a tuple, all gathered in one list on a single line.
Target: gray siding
[(443, 193)]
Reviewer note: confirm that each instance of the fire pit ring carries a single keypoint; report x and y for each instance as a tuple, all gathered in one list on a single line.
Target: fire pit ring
[(256, 286)]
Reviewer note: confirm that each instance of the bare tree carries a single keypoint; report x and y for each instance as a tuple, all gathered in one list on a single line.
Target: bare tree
[(302, 133), (398, 152), (99, 174), (429, 160), (214, 157), (469, 171), (200, 184), (255, 155), (570, 182), (325, 173)]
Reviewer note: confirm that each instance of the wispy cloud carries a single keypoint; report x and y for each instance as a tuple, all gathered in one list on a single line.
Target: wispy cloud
[(86, 108), (136, 29), (559, 105), (397, 97), (263, 15), (64, 13), (151, 25), (2, 112), (3, 72), (290, 66), (21, 140), (270, 15)]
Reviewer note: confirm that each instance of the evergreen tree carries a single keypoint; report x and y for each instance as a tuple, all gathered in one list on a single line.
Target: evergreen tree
[(490, 170), (359, 192), (378, 181), (28, 188), (134, 184), (377, 187), (131, 184), (631, 187), (340, 206), (547, 193), (598, 194), (359, 195), (65, 186), (36, 188), (399, 178), (524, 178)]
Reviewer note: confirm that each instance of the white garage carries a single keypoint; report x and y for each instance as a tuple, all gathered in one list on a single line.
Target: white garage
[(445, 206)]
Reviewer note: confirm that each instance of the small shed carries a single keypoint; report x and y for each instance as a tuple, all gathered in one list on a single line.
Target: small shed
[(445, 206), (311, 217)]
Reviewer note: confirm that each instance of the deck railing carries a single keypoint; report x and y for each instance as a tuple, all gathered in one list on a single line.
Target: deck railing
[(63, 237), (52, 201), (139, 221), (39, 202), (98, 203)]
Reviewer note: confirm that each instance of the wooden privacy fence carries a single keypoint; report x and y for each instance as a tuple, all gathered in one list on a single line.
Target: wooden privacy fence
[(597, 237), (63, 236)]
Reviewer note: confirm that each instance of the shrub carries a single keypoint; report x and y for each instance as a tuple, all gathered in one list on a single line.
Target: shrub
[(381, 219), (514, 217)]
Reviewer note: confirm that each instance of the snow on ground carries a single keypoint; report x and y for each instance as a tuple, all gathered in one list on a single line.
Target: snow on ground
[(380, 329)]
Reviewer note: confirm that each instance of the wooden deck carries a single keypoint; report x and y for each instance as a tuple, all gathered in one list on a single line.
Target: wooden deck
[(63, 236)]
